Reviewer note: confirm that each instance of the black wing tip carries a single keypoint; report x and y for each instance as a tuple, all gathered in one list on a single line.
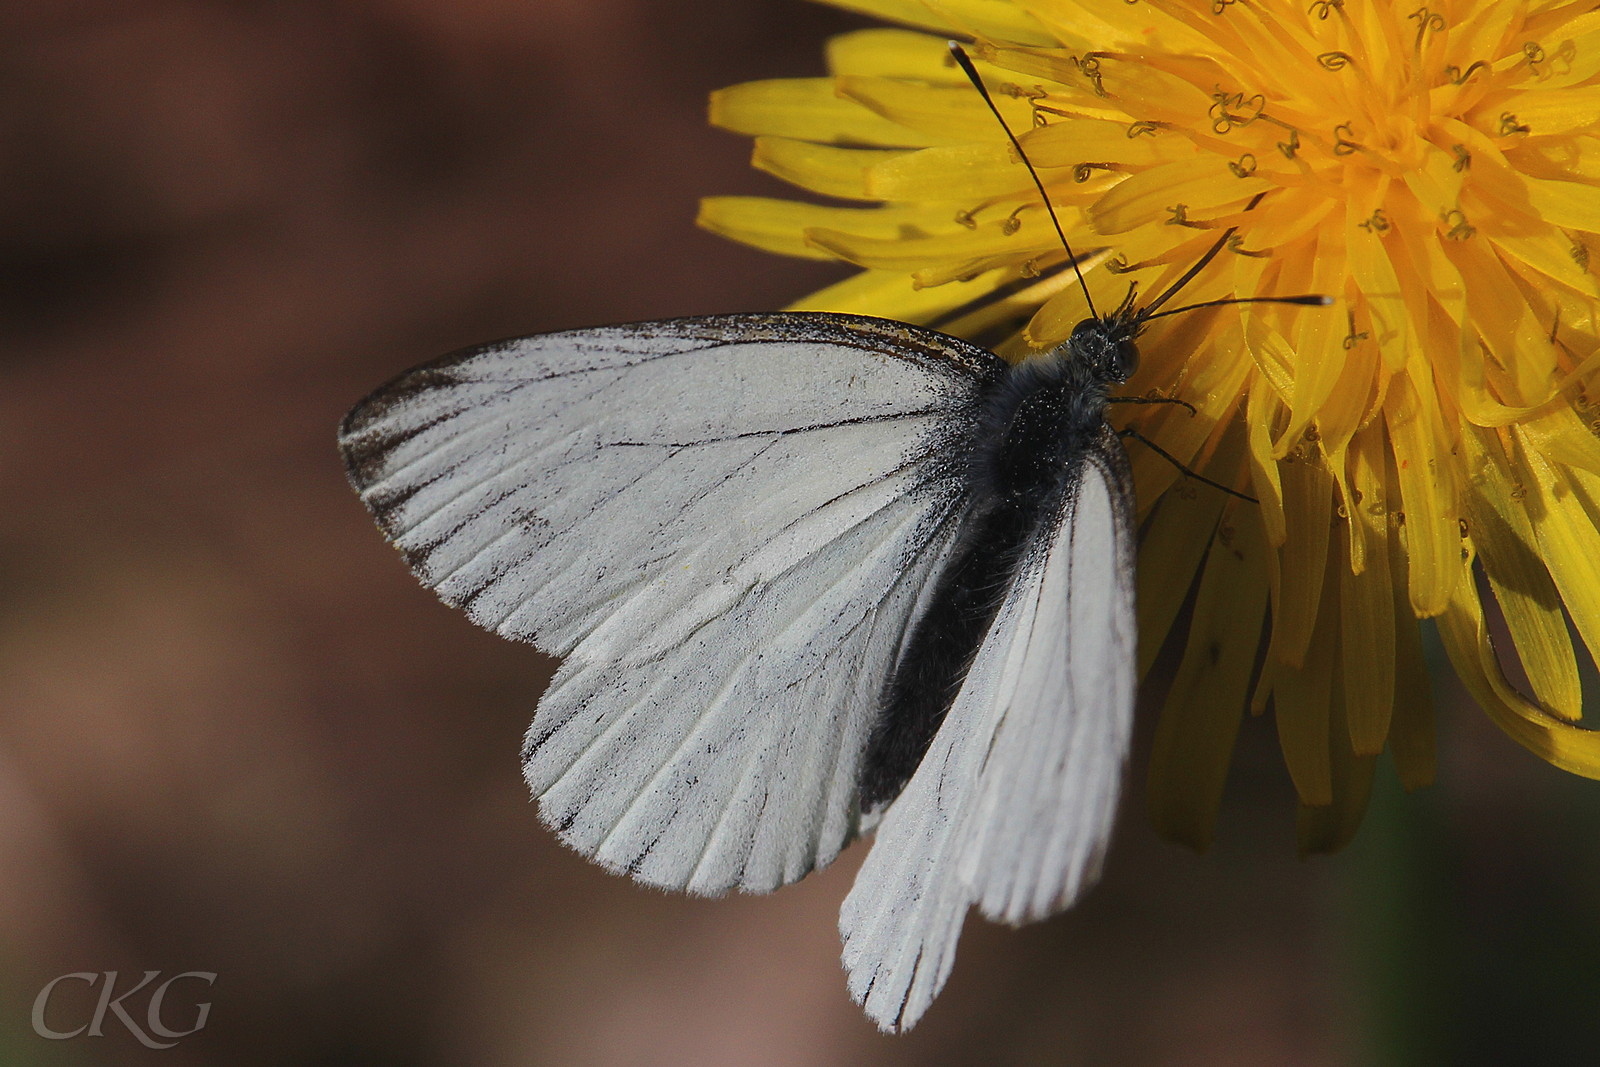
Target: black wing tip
[(359, 446)]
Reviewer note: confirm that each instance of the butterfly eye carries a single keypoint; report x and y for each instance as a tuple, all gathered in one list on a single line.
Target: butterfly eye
[(1125, 360)]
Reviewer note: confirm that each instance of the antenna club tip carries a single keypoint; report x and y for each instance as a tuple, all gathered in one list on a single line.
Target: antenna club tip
[(959, 54)]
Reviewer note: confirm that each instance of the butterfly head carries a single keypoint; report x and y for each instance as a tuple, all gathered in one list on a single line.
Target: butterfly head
[(1105, 347)]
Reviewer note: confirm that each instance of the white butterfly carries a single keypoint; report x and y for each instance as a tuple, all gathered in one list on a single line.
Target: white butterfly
[(810, 574)]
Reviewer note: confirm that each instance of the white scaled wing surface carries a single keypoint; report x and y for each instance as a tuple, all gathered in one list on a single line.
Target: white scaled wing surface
[(1012, 805), (724, 525)]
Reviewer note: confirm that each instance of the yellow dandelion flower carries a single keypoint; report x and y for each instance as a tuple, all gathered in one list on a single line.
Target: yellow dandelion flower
[(1420, 450)]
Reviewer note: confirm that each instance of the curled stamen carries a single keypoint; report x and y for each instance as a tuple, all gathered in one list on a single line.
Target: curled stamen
[(1533, 54), (1335, 61), (1292, 145), (1142, 127), (1180, 217), (1463, 158), (1120, 265), (1343, 146), (1460, 228), (1088, 65), (1354, 337), (1235, 245), (1323, 8), (1221, 122), (1377, 222), (1426, 20), (1458, 76), (1082, 172), (964, 218), (1509, 125), (1032, 96), (1012, 224), (1223, 115), (1244, 166), (1039, 110)]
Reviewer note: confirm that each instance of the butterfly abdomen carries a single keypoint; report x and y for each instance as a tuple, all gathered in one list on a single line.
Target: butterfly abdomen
[(1036, 423)]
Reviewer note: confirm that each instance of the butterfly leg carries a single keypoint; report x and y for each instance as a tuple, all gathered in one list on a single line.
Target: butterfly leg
[(1170, 458)]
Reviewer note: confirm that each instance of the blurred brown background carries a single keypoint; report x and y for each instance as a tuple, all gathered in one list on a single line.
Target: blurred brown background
[(235, 737)]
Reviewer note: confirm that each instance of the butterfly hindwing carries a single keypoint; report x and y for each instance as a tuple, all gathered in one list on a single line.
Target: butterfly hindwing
[(1012, 805), (1048, 803), (724, 524)]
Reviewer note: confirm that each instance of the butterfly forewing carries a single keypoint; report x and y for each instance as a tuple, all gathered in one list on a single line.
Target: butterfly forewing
[(724, 524), (1012, 805)]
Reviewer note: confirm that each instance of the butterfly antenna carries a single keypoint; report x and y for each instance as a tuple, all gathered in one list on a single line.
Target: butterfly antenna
[(1199, 265), (1149, 312), (1309, 300), (965, 63)]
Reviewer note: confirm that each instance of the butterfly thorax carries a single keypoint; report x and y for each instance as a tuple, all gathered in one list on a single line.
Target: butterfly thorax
[(1045, 411)]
